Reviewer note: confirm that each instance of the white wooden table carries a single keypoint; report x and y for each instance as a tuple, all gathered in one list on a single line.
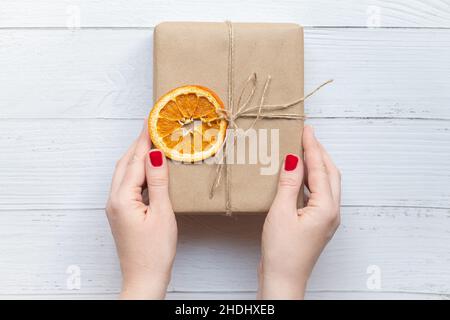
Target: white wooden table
[(76, 82)]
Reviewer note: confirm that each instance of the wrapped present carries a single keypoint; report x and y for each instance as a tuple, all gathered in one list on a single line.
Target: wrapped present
[(260, 62)]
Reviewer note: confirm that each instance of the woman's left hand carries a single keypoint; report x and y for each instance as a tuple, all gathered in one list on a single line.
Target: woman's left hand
[(145, 234)]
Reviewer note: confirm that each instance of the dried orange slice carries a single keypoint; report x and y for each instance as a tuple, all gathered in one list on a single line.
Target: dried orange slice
[(187, 123)]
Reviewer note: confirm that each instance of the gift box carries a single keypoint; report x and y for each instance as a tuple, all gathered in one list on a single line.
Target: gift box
[(224, 57)]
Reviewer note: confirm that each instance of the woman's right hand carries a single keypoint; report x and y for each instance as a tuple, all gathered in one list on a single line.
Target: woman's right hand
[(294, 238)]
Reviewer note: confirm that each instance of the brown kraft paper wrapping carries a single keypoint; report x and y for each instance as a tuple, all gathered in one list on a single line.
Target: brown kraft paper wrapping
[(198, 53)]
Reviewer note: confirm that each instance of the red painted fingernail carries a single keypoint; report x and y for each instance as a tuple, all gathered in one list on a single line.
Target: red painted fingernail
[(156, 158), (290, 163)]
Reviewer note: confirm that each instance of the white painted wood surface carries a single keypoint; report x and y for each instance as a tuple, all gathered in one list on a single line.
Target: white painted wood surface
[(144, 13), (219, 254), (107, 73), (72, 100)]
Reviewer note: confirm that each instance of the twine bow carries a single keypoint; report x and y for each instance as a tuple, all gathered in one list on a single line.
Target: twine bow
[(244, 110)]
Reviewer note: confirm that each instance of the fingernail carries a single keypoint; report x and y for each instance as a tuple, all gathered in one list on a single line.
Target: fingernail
[(290, 162), (156, 158)]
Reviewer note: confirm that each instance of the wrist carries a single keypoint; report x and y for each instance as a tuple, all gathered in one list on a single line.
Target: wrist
[(144, 288), (276, 287)]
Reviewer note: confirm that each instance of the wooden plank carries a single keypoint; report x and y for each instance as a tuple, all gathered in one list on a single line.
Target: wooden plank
[(220, 254), (141, 13), (310, 295), (108, 73), (68, 164)]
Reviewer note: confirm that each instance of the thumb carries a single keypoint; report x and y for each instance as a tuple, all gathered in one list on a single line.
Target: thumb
[(290, 181), (157, 175)]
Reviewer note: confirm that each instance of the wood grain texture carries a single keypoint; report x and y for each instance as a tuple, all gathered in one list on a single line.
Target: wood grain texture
[(108, 73), (68, 164), (217, 252), (142, 13)]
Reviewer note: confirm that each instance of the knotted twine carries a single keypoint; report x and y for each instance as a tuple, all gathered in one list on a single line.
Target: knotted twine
[(258, 112)]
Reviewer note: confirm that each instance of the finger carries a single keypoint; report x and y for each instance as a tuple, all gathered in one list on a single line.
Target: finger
[(123, 162), (333, 173), (157, 173), (289, 182), (135, 171), (121, 165), (318, 180)]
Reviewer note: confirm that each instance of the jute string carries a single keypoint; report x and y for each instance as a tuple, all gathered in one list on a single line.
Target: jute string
[(243, 110)]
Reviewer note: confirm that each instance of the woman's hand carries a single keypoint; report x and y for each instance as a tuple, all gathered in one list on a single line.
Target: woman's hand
[(294, 238), (145, 234)]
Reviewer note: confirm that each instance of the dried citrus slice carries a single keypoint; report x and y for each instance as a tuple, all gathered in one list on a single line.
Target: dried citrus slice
[(187, 124)]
